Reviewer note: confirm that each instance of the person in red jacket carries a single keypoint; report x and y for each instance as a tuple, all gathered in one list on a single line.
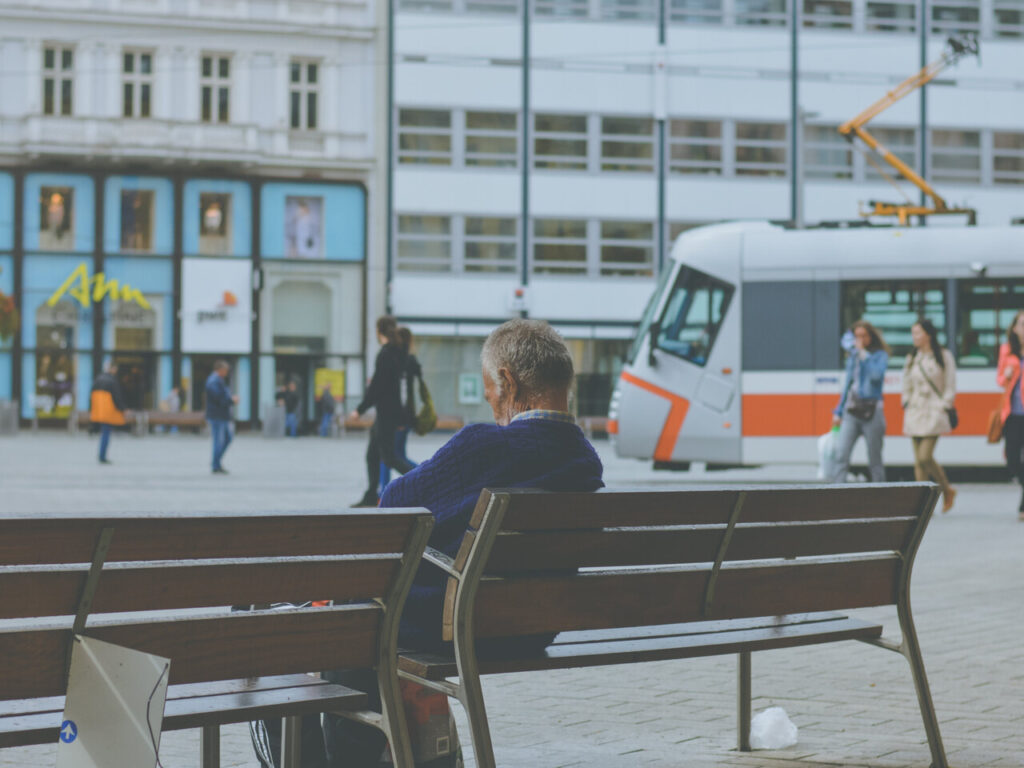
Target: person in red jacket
[(1008, 376), (106, 407)]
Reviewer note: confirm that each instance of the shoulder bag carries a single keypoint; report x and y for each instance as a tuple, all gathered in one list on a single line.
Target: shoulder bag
[(954, 417), (426, 417)]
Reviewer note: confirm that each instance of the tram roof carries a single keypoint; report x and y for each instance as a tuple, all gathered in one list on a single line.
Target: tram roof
[(770, 251)]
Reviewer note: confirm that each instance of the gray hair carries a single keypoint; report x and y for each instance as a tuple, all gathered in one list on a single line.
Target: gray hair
[(532, 351)]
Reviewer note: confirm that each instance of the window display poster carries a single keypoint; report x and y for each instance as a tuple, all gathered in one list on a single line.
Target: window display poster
[(58, 214), (45, 304), (218, 218), (138, 215), (216, 306), (304, 227), (55, 378), (313, 221), (6, 211)]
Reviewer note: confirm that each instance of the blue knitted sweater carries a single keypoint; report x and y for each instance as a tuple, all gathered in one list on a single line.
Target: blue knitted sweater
[(530, 453)]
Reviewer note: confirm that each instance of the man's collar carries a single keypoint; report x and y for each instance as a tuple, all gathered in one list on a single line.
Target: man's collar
[(537, 413)]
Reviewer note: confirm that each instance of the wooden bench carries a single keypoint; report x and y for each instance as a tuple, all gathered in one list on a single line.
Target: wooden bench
[(676, 574), (225, 666), (185, 419)]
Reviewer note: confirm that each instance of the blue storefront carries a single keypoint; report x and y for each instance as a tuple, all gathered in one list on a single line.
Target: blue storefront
[(164, 274)]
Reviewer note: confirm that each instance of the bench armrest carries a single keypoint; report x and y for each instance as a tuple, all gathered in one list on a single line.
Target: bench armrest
[(442, 561)]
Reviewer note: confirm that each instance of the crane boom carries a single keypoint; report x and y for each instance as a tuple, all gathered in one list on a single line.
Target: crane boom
[(956, 49)]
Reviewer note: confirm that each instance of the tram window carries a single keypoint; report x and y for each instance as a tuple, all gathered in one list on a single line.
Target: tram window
[(985, 308), (693, 315), (652, 305), (893, 307)]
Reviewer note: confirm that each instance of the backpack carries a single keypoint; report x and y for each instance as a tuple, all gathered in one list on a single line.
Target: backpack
[(426, 417)]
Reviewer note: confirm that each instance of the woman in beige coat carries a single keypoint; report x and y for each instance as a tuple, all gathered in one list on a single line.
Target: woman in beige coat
[(929, 387)]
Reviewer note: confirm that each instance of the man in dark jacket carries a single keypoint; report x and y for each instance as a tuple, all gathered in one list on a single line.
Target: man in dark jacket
[(106, 407), (218, 412)]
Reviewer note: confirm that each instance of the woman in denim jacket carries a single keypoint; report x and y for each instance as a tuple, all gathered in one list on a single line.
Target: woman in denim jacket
[(860, 410)]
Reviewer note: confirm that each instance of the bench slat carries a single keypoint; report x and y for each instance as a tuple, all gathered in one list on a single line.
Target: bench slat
[(234, 703), (536, 510), (535, 605), (553, 550), (205, 648), (677, 641), (36, 539), (56, 592)]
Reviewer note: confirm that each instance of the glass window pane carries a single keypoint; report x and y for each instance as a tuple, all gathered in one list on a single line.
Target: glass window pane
[(296, 72), (207, 66), (424, 225), (144, 100), (476, 225), (222, 105), (49, 58), (65, 97), (311, 73), (129, 62), (491, 121), (66, 58), (145, 63), (48, 96), (561, 123), (311, 116), (563, 228), (986, 309), (129, 108), (224, 67), (893, 307), (709, 129), (207, 104), (425, 118), (296, 109), (693, 315)]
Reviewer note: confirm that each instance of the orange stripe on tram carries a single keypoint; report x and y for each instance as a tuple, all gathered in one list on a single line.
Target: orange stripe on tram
[(674, 422)]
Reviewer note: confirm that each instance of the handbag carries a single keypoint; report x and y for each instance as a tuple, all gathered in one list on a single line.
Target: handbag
[(995, 426), (426, 417), (860, 408), (954, 417)]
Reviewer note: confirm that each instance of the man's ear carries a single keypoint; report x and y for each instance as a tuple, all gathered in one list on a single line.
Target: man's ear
[(509, 385)]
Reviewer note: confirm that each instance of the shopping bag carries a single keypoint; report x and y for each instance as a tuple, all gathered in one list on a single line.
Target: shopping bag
[(426, 418), (828, 445)]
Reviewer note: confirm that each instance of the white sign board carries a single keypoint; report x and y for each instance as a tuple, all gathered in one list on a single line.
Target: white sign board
[(216, 305), (114, 707)]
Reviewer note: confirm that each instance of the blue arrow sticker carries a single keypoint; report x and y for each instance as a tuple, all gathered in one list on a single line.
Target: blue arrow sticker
[(68, 731)]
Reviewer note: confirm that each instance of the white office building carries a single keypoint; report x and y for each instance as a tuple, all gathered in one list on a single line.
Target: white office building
[(581, 247)]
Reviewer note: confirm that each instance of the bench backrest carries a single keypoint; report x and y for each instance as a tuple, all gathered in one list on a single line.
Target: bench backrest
[(161, 564), (671, 556)]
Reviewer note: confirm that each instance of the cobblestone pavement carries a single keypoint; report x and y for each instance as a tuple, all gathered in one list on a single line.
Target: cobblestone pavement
[(854, 704)]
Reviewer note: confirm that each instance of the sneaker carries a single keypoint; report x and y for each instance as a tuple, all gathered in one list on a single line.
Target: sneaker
[(106, 461), (220, 471)]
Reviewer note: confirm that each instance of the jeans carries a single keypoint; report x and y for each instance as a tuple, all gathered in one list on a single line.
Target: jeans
[(873, 430), (221, 431), (401, 438), (381, 450), (105, 432), (291, 424), (325, 424)]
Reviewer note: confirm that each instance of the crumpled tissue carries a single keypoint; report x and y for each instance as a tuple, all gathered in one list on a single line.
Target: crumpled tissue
[(772, 729)]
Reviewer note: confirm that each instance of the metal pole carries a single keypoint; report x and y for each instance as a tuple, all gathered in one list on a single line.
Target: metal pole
[(794, 109), (923, 122), (524, 210), (389, 194), (661, 133)]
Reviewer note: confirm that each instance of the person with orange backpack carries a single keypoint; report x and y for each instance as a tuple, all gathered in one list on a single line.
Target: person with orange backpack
[(106, 407)]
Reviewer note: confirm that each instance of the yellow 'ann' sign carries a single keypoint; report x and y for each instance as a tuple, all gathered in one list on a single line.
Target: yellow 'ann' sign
[(87, 290)]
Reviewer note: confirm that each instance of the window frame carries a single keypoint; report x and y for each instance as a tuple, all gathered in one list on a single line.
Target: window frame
[(136, 83), (60, 77), (471, 265), (686, 273), (556, 267), (916, 307), (417, 156), (778, 169), (308, 92), (693, 166), (627, 164), (414, 265), (560, 162), (490, 160), (621, 269), (219, 86)]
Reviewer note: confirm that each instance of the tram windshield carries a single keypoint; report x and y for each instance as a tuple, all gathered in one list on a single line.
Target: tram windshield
[(652, 306), (693, 315)]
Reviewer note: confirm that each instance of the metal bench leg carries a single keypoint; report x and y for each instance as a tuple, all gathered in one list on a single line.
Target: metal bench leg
[(911, 650), (743, 701), (472, 698), (209, 747), (291, 742)]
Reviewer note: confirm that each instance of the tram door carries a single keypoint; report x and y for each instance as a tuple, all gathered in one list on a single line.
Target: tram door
[(679, 401)]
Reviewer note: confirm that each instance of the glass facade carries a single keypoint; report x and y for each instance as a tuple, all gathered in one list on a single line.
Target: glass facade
[(110, 268)]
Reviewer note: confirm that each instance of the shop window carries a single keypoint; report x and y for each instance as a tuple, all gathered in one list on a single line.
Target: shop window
[(137, 83), (304, 227), (55, 366), (956, 18), (760, 149), (1009, 18), (695, 146), (761, 12), (58, 80), (425, 136), (560, 246), (560, 142), (215, 88), (827, 155), (894, 16), (902, 142), (695, 11), (56, 218), (627, 248), (424, 243), (986, 309), (1007, 157), (490, 245), (564, 9), (304, 94), (893, 306), (628, 10), (828, 14), (137, 220), (491, 139), (956, 156), (215, 224), (693, 316), (627, 144)]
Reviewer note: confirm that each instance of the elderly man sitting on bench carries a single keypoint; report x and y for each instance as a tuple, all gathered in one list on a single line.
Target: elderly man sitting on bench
[(535, 443)]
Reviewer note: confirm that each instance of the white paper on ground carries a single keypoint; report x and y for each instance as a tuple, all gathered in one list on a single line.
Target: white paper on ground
[(114, 707), (772, 729)]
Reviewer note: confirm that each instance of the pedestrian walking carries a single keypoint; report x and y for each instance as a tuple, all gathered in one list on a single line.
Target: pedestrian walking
[(929, 388), (218, 412), (289, 398), (1008, 376), (106, 407), (171, 404), (413, 373), (860, 410), (325, 406), (384, 393)]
